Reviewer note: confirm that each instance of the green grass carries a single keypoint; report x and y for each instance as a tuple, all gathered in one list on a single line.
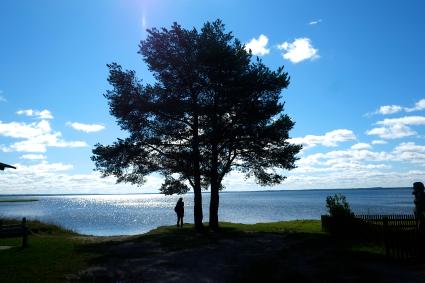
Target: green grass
[(173, 238), (52, 253), (18, 200), (298, 226), (46, 259)]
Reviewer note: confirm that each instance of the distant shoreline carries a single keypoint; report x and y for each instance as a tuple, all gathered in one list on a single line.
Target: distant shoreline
[(17, 200), (207, 192)]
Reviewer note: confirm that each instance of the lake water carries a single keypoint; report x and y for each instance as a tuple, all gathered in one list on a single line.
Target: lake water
[(134, 214)]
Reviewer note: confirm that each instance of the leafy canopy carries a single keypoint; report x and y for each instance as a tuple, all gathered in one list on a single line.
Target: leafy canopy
[(212, 109)]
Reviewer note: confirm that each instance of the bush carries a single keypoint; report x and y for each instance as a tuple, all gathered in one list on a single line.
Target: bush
[(341, 221), (338, 206)]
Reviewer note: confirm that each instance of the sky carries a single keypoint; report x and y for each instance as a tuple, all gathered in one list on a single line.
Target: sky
[(356, 92)]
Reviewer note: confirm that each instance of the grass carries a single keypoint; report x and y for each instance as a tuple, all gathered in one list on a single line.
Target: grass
[(300, 226), (18, 200), (53, 253), (173, 238)]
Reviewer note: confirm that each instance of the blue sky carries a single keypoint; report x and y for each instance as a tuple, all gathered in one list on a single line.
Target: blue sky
[(356, 91)]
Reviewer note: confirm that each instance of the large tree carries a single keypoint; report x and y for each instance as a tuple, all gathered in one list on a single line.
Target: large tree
[(244, 126), (162, 119), (212, 110)]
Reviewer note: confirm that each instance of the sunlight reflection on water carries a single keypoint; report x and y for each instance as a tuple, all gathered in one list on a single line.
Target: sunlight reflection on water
[(134, 214)]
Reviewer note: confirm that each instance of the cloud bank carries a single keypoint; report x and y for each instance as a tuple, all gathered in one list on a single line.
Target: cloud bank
[(329, 139), (34, 137)]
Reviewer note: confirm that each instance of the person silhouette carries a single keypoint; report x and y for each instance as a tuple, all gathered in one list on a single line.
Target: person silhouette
[(179, 209)]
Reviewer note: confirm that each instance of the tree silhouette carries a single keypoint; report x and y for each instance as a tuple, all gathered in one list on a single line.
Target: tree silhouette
[(162, 119), (4, 166), (243, 123), (211, 110)]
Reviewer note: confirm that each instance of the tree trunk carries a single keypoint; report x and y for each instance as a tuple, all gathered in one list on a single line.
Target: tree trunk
[(197, 207), (215, 185)]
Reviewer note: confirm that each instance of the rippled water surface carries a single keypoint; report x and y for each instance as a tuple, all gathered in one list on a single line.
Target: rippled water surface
[(134, 214)]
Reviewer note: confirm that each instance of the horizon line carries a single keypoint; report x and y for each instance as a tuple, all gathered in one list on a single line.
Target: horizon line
[(237, 191)]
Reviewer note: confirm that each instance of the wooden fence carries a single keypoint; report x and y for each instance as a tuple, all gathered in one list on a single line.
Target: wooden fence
[(402, 235)]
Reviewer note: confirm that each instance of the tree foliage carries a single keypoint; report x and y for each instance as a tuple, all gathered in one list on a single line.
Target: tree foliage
[(211, 110)]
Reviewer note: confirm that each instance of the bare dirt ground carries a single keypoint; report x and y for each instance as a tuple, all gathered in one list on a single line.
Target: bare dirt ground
[(254, 257)]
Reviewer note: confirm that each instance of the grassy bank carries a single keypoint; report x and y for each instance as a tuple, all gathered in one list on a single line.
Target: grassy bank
[(52, 253), (57, 255)]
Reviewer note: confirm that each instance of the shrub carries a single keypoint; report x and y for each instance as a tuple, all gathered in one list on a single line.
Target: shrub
[(338, 206)]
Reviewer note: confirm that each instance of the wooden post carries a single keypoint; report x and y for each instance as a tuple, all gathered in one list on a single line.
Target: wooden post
[(24, 233)]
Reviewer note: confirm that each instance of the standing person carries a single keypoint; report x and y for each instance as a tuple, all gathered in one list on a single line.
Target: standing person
[(179, 209)]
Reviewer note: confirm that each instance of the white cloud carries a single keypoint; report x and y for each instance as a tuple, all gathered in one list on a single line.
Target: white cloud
[(299, 50), (395, 128), (33, 156), (392, 109), (389, 109), (359, 178), (420, 105), (392, 132), (315, 22), (410, 152), (24, 130), (360, 146), (355, 167), (44, 114), (409, 146), (407, 120), (88, 128), (37, 136), (330, 139), (362, 155), (379, 142), (258, 46)]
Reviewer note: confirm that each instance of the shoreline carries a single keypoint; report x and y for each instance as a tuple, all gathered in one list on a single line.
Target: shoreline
[(17, 200)]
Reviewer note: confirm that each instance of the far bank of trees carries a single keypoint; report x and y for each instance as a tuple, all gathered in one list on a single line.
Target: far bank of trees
[(211, 110)]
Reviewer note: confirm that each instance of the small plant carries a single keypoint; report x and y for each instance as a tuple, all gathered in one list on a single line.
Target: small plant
[(338, 206)]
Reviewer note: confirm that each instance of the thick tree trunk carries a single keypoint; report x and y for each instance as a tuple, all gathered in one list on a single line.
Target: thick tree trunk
[(197, 207), (215, 186)]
